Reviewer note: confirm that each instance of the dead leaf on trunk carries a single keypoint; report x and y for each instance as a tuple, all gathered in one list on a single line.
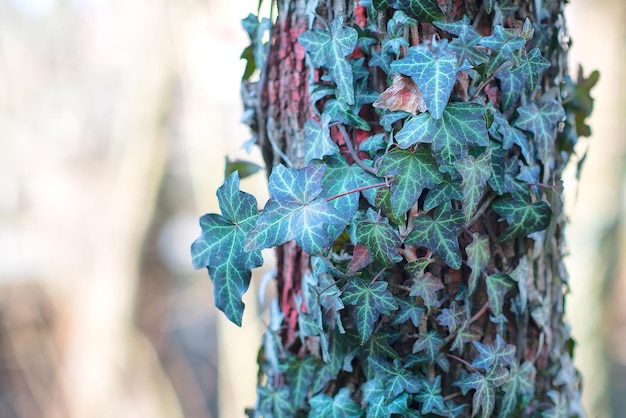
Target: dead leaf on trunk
[(403, 94)]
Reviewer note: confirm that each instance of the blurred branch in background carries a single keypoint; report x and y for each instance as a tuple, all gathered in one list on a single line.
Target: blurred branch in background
[(115, 117)]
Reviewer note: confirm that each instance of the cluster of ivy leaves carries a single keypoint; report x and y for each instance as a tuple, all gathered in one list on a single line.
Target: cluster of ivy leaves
[(421, 177)]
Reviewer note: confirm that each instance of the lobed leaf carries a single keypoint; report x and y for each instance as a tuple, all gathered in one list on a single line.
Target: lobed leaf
[(475, 173), (523, 217)]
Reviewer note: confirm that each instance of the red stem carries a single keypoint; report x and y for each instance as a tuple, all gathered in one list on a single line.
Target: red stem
[(358, 189)]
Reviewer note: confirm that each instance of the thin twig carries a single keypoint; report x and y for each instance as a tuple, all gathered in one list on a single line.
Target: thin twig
[(478, 314), (358, 189), (352, 152), (460, 360)]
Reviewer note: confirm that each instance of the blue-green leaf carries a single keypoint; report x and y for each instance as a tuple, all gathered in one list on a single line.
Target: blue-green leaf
[(475, 173), (295, 211), (429, 343), (409, 311), (478, 256), (245, 168), (439, 235), (430, 396), (370, 300), (511, 85), (329, 50), (378, 405), (395, 377), (500, 129), (422, 10), (497, 354), (504, 46), (275, 402), (412, 172), (426, 286), (220, 247), (300, 377), (497, 287), (434, 72), (518, 389), (542, 121), (317, 140), (462, 125), (341, 406), (466, 46), (381, 240), (443, 193), (532, 66), (523, 217), (452, 317)]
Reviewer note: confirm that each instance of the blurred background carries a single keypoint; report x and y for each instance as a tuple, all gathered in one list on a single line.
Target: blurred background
[(115, 118)]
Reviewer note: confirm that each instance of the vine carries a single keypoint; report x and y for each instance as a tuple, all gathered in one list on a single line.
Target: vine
[(474, 122)]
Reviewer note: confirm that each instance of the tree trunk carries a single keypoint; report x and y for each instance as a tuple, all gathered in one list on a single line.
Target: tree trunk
[(483, 334)]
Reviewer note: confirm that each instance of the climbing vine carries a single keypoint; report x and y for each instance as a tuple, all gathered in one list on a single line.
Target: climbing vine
[(426, 164)]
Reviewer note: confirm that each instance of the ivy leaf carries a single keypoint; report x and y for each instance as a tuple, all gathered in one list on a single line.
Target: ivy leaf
[(369, 301), (395, 377), (220, 247), (532, 66), (361, 258), (429, 343), (452, 317), (497, 354), (466, 46), (478, 256), (434, 72), (497, 287), (504, 46), (245, 168), (426, 287), (295, 211), (378, 346), (341, 112), (464, 335), (511, 85), (485, 396), (275, 402), (521, 384), (523, 217), (500, 129), (409, 311), (455, 28), (475, 173), (341, 406), (329, 50), (381, 240), (378, 405), (430, 396), (339, 178), (317, 140), (462, 125), (439, 235), (299, 377), (443, 193), (383, 202), (422, 10), (542, 122), (412, 172)]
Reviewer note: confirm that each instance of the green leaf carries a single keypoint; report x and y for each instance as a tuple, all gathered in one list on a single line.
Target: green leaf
[(497, 354), (220, 247), (370, 300), (245, 168), (532, 66), (429, 343), (504, 46), (409, 311), (439, 235), (295, 211), (478, 256), (466, 46), (383, 202), (426, 287), (275, 402), (423, 10), (452, 317), (518, 389), (317, 140), (395, 377), (443, 193), (462, 125), (341, 112), (464, 335), (412, 172), (381, 240), (341, 406), (511, 85), (542, 121), (378, 346), (475, 173), (484, 397), (329, 50), (523, 217), (378, 405), (497, 287), (500, 129), (300, 377), (434, 72), (430, 396)]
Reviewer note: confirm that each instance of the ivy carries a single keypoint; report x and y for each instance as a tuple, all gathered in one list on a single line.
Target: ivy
[(420, 196)]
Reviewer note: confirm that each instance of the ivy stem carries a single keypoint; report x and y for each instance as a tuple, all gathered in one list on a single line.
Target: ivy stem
[(378, 275), (452, 396), (358, 189), (480, 313), (353, 153), (545, 186), (460, 360)]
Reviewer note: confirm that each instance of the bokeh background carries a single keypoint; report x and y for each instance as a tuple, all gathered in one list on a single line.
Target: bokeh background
[(115, 119)]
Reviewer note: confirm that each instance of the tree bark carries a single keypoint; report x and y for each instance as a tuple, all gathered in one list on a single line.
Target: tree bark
[(539, 333)]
